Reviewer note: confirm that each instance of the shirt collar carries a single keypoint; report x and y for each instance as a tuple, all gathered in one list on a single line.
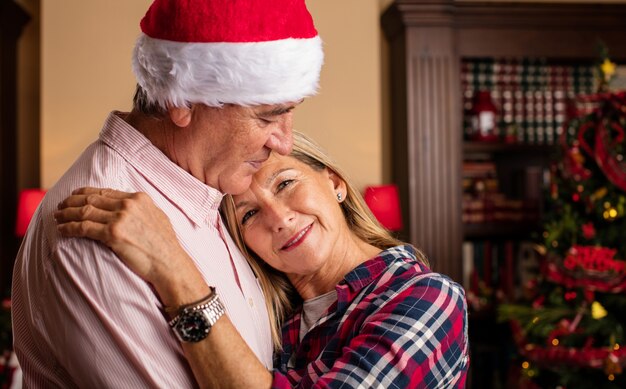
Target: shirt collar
[(371, 270), (194, 198)]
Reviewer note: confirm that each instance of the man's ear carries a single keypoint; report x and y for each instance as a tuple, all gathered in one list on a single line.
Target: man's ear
[(181, 116)]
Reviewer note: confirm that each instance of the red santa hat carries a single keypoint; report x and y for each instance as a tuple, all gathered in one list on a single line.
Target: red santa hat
[(244, 52)]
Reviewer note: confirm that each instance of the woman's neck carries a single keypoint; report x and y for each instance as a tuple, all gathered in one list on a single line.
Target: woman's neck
[(347, 254)]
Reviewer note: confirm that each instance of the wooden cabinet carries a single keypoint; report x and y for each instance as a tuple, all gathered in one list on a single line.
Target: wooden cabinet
[(427, 41), (13, 19)]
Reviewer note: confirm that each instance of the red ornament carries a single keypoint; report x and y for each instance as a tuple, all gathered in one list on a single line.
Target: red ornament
[(569, 296), (538, 303), (589, 231), (483, 116), (573, 164), (589, 267), (606, 157)]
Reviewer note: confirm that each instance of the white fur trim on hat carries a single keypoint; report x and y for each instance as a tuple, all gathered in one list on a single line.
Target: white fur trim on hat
[(271, 72)]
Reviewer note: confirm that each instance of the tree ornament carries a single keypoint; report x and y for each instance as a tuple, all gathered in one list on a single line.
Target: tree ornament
[(597, 311), (612, 365), (573, 164), (605, 151), (608, 69), (610, 214), (588, 230), (598, 194)]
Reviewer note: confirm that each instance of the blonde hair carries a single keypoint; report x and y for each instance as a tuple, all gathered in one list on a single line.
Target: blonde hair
[(280, 296)]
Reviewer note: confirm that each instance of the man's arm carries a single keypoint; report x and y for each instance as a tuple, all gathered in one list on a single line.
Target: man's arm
[(121, 221), (99, 318)]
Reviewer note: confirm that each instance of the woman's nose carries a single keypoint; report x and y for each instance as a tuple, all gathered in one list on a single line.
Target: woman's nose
[(280, 217)]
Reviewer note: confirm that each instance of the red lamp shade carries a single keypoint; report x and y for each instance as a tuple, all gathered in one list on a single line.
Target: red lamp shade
[(27, 204), (384, 203)]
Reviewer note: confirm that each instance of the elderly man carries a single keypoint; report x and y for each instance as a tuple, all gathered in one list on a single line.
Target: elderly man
[(217, 83)]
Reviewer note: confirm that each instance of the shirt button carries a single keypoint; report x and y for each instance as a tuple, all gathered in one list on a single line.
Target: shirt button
[(251, 302)]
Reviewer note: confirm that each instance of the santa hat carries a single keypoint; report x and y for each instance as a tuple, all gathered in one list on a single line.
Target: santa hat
[(244, 52)]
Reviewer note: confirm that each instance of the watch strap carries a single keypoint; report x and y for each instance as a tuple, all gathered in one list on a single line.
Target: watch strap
[(209, 310)]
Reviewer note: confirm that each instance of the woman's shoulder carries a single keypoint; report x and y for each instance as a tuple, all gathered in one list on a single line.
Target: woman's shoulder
[(406, 272)]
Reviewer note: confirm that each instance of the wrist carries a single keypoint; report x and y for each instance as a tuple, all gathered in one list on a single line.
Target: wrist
[(180, 284), (193, 322)]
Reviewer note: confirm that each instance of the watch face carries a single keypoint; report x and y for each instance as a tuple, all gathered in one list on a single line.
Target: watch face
[(193, 327)]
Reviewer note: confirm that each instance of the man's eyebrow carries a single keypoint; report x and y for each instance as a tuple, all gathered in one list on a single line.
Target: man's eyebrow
[(279, 110)]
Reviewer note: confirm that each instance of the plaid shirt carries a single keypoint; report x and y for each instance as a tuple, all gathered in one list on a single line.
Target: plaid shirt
[(395, 324)]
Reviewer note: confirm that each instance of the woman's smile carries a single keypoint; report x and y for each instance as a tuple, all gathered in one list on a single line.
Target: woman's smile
[(296, 240)]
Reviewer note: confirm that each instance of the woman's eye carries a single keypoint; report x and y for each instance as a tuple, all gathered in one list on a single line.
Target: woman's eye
[(283, 184), (247, 216)]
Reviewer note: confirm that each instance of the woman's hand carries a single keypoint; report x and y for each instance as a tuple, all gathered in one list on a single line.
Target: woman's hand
[(132, 226)]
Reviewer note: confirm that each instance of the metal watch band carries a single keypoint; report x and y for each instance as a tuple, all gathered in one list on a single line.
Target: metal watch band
[(194, 322)]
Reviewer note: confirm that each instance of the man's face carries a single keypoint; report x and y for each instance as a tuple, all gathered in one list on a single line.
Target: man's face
[(240, 139)]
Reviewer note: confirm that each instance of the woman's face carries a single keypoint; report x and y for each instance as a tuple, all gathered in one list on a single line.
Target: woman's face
[(291, 217)]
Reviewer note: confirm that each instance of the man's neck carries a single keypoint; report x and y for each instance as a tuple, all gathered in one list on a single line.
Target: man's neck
[(168, 138)]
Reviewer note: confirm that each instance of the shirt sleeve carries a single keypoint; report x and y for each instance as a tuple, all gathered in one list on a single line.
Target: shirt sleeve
[(106, 320), (416, 339)]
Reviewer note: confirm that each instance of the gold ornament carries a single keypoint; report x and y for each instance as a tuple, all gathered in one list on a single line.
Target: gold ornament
[(608, 69), (598, 194), (612, 366), (597, 310), (610, 214)]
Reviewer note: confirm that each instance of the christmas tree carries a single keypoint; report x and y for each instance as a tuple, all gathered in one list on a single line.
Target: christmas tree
[(569, 329)]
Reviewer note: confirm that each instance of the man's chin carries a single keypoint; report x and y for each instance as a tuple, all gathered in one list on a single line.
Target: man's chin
[(237, 186)]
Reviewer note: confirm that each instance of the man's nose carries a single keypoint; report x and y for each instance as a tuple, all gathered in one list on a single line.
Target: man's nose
[(281, 138)]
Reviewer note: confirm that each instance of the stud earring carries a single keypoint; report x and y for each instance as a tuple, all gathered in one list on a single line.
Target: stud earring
[(339, 197)]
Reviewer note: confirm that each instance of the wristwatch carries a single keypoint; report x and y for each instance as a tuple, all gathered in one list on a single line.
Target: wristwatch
[(194, 321)]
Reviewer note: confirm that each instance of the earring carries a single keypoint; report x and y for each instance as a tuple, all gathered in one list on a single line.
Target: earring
[(339, 197)]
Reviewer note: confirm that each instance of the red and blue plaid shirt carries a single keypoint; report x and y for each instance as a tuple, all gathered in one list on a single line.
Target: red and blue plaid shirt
[(395, 324)]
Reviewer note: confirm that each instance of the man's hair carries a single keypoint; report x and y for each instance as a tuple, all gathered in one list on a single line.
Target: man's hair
[(142, 104), (280, 296)]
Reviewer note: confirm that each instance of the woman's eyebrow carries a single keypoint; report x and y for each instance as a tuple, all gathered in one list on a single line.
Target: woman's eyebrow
[(273, 175), (269, 179)]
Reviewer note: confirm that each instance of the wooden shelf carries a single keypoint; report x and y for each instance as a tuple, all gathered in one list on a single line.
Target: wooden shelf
[(490, 230), (501, 148)]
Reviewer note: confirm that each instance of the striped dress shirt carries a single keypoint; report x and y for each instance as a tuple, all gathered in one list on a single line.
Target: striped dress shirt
[(395, 325), (81, 318)]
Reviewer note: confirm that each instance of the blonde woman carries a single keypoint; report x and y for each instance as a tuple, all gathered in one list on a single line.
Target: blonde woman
[(351, 305)]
